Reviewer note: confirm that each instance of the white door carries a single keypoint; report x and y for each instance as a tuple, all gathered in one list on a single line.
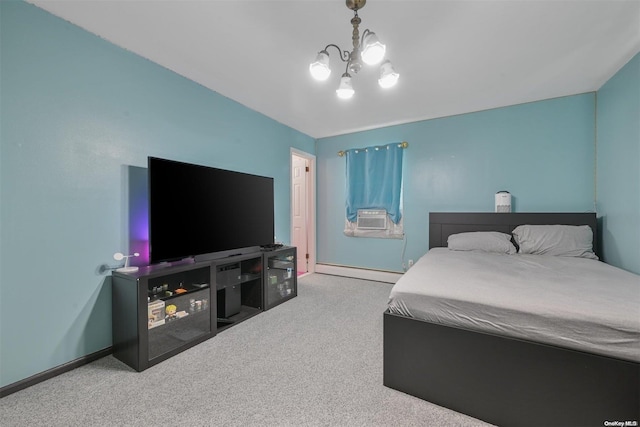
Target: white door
[(299, 206)]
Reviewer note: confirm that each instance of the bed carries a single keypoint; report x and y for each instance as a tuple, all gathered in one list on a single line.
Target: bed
[(532, 362)]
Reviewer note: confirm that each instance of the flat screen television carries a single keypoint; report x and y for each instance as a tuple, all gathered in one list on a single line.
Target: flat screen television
[(198, 210)]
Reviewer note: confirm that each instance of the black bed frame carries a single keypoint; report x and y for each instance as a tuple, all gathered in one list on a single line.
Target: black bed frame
[(500, 380)]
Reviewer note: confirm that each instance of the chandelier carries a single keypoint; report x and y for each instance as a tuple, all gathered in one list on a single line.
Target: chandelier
[(367, 49)]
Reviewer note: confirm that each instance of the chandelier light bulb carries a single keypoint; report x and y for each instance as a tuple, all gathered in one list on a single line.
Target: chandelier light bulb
[(388, 75), (320, 67), (345, 90), (373, 51)]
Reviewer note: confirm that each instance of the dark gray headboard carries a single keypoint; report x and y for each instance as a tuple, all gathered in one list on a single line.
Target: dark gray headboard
[(443, 224)]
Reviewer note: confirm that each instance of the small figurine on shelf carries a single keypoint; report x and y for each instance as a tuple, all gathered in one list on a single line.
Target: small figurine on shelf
[(171, 312)]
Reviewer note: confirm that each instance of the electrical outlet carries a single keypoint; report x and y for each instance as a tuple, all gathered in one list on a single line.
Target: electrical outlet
[(410, 263)]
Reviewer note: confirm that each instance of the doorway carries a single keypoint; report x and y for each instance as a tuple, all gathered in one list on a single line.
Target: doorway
[(303, 223)]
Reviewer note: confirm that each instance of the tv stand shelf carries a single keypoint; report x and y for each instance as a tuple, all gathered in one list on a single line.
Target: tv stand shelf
[(162, 310), (153, 320), (244, 314), (239, 286), (280, 276)]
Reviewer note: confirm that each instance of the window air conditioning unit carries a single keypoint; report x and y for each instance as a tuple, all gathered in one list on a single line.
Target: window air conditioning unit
[(372, 219)]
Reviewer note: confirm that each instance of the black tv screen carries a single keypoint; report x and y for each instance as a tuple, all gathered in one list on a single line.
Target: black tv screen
[(196, 210)]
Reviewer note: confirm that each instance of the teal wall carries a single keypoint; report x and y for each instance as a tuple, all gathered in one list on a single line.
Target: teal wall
[(542, 152), (78, 114), (618, 166)]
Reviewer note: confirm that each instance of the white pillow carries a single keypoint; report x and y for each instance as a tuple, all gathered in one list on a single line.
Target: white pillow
[(485, 241), (558, 240)]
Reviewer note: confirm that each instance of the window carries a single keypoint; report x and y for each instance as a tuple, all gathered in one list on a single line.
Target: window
[(374, 183)]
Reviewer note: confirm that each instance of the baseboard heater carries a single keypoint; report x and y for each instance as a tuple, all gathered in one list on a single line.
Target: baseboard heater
[(358, 273)]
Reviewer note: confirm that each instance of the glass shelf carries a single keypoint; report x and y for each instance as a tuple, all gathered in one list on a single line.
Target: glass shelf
[(163, 296), (280, 278), (149, 325), (183, 318)]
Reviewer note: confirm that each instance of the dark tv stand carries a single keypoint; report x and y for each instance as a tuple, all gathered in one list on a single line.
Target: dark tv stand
[(271, 247), (206, 298)]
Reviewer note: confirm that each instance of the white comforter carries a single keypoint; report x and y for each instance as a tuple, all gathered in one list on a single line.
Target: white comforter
[(576, 303)]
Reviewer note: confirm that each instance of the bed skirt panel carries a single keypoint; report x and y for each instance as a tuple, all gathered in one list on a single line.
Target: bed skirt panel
[(506, 381)]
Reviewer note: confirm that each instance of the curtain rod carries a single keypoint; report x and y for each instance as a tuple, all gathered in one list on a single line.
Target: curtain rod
[(403, 144)]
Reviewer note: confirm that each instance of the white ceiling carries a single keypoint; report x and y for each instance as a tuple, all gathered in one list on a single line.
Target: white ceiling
[(453, 56)]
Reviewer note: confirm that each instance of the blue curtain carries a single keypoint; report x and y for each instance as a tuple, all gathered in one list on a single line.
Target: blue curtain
[(374, 180)]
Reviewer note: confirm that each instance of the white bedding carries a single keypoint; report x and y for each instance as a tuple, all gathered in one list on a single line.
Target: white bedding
[(576, 303)]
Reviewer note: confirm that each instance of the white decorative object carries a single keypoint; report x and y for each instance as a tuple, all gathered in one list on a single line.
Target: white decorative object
[(503, 201), (118, 256)]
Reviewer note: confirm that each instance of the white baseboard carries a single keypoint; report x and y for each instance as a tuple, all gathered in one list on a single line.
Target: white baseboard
[(358, 273)]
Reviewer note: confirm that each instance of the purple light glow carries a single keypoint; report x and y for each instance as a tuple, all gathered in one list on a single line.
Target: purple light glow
[(138, 215)]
